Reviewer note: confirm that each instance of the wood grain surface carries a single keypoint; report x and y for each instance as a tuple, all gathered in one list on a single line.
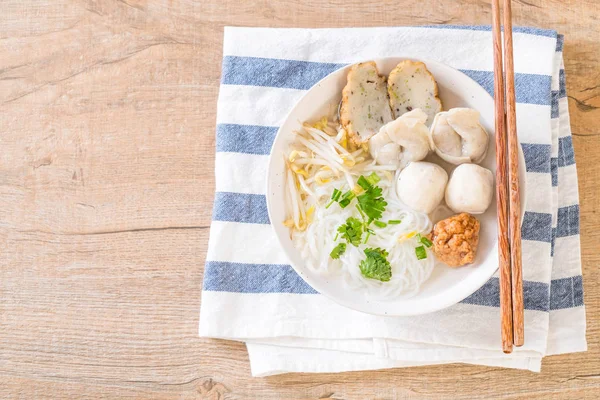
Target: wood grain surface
[(107, 121)]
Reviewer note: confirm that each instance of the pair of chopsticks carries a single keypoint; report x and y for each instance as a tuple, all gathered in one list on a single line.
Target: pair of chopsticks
[(507, 183)]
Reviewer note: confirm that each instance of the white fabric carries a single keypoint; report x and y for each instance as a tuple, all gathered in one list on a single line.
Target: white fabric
[(300, 332)]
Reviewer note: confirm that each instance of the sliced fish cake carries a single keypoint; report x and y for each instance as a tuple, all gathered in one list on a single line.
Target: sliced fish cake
[(365, 104), (410, 86)]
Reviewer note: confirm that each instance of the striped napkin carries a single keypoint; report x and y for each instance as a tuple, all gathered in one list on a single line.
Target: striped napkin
[(252, 294)]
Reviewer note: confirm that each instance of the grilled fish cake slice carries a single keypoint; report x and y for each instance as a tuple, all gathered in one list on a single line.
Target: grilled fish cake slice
[(365, 103), (411, 86)]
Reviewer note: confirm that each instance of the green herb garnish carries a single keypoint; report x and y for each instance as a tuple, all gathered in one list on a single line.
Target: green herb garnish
[(362, 214), (372, 202), (369, 233), (371, 206), (425, 241), (352, 231), (334, 197), (373, 178), (394, 222), (376, 266), (364, 183), (342, 199), (347, 198), (421, 253), (338, 251)]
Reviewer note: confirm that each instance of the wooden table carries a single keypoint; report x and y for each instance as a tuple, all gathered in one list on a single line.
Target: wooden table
[(107, 121)]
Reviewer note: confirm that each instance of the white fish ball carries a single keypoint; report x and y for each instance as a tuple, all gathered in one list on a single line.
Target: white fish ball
[(470, 189), (421, 186)]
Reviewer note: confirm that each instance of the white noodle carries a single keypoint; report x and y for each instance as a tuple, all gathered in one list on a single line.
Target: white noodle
[(314, 239)]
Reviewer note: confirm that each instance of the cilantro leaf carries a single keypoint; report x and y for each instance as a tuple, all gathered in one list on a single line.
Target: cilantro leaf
[(352, 231), (376, 266), (372, 202), (338, 251)]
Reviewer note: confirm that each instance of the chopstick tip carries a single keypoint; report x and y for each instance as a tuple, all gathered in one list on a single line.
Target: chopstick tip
[(507, 347)]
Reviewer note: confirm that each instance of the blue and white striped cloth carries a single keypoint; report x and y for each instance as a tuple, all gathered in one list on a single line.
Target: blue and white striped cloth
[(251, 293)]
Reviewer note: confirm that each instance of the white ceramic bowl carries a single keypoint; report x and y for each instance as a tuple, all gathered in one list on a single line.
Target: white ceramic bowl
[(446, 286)]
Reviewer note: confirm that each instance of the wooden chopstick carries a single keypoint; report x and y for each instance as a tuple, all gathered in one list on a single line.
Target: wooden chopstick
[(514, 225), (506, 322)]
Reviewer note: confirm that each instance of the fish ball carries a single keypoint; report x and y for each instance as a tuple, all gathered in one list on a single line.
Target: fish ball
[(470, 189), (421, 186)]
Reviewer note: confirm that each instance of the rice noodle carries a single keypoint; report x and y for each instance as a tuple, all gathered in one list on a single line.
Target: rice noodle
[(325, 158)]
